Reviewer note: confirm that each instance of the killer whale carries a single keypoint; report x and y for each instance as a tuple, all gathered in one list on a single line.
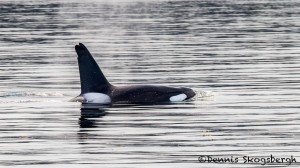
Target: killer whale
[(95, 88)]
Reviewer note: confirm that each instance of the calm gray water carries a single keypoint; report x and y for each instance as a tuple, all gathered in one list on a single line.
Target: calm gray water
[(242, 57)]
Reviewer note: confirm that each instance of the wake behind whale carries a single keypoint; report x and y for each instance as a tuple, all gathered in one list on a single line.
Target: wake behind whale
[(95, 88)]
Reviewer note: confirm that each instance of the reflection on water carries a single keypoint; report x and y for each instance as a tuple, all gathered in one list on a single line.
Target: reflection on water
[(31, 23), (240, 56), (87, 115)]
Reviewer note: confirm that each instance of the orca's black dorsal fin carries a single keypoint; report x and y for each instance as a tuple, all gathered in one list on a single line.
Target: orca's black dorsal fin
[(91, 77)]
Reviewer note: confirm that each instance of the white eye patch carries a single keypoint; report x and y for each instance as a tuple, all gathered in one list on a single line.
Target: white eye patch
[(97, 98), (178, 98)]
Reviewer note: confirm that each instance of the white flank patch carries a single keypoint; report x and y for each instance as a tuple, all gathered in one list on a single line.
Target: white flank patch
[(177, 98), (97, 98)]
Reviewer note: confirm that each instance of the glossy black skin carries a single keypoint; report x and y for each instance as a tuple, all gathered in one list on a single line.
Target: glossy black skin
[(93, 80), (143, 94)]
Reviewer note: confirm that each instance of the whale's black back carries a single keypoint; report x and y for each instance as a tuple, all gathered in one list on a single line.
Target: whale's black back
[(91, 77), (148, 94)]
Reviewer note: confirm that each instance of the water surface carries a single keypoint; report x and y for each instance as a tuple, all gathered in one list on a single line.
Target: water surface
[(242, 57)]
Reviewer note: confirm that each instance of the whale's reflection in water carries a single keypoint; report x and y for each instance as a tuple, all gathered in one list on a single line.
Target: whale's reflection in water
[(89, 112)]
